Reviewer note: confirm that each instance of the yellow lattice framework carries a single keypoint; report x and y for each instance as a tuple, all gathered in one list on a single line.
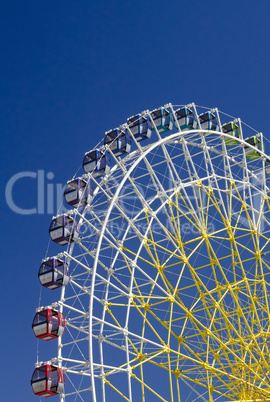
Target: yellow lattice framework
[(215, 321)]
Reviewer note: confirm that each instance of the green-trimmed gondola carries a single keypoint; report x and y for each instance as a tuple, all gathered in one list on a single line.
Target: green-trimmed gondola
[(251, 153), (234, 130)]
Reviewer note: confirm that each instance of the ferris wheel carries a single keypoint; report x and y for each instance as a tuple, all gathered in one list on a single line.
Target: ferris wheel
[(161, 292)]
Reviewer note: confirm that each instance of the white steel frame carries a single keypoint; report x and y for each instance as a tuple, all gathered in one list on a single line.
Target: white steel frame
[(122, 167)]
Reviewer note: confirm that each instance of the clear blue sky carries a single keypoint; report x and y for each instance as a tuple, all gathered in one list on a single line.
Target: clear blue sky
[(71, 70)]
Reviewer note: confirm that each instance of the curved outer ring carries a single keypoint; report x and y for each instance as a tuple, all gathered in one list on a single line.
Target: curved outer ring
[(127, 174)]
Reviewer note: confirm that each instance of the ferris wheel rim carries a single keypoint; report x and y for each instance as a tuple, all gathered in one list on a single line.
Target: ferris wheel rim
[(120, 164), (160, 141)]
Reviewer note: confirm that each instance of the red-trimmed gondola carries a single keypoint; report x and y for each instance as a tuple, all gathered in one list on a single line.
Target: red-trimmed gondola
[(48, 380), (48, 324)]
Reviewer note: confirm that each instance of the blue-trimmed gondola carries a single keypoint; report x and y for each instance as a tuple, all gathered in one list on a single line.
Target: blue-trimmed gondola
[(97, 163), (185, 118), (64, 229), (53, 273), (140, 127), (163, 119), (78, 193), (118, 140), (208, 121)]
